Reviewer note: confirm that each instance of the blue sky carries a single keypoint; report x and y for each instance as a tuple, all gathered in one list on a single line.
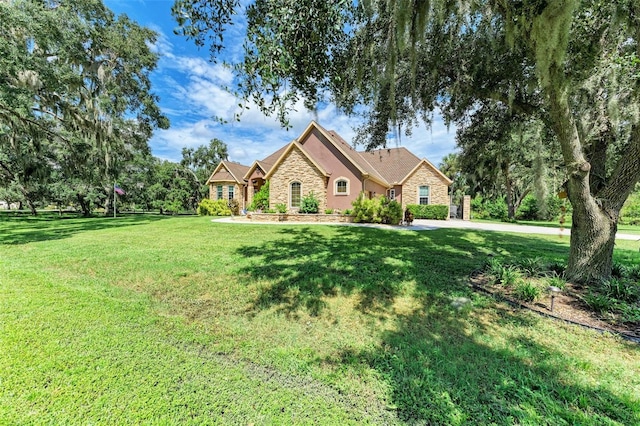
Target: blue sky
[(191, 95)]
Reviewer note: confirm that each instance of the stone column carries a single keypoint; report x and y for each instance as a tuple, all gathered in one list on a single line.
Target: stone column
[(466, 208)]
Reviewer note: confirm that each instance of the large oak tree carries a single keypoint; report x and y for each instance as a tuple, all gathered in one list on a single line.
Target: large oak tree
[(75, 93), (575, 63)]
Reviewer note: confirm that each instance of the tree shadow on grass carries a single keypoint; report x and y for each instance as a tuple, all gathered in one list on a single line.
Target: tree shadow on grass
[(28, 229), (308, 264), (441, 373), (440, 365)]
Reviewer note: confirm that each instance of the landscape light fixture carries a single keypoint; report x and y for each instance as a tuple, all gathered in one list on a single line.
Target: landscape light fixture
[(554, 292)]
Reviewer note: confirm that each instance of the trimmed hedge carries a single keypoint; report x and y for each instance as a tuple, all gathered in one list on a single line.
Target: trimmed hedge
[(429, 211)]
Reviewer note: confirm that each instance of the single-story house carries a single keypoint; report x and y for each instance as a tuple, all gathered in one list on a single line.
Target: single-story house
[(319, 160)]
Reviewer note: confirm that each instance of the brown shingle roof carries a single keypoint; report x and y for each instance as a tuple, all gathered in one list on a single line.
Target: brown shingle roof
[(237, 169), (392, 163), (269, 161), (228, 171)]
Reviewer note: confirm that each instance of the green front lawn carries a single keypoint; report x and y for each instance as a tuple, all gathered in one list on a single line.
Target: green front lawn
[(622, 229), (150, 319)]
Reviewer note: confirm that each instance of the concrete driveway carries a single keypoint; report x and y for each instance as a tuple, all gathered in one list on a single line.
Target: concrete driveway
[(429, 225), (501, 227)]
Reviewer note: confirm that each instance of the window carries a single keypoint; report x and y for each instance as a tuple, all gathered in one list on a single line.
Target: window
[(392, 194), (342, 187), (231, 194), (219, 192), (423, 195), (294, 194)]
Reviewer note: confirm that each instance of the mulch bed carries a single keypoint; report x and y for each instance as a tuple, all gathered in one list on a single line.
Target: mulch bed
[(567, 306)]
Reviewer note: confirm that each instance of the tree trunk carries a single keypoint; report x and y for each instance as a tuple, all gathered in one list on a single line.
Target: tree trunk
[(593, 235), (32, 207), (511, 211), (84, 205), (593, 228)]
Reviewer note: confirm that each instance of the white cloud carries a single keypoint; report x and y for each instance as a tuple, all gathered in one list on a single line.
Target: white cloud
[(194, 95)]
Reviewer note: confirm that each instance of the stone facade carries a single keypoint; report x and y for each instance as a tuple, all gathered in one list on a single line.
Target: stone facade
[(238, 191), (438, 190), (300, 217), (296, 167)]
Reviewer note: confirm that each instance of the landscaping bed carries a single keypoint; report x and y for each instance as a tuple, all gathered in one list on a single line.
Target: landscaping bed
[(612, 306)]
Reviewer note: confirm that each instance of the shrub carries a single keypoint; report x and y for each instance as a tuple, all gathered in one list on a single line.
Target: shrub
[(526, 291), (234, 206), (376, 210), (281, 208), (528, 209), (328, 211), (365, 210), (309, 203), (390, 211), (261, 198), (209, 207), (630, 212), (347, 212), (429, 211)]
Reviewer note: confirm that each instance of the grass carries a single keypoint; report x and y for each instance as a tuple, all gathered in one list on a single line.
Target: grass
[(622, 229), (150, 319)]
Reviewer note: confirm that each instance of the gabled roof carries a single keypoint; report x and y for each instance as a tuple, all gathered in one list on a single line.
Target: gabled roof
[(285, 152), (350, 154), (397, 164), (392, 163), (432, 167), (228, 171)]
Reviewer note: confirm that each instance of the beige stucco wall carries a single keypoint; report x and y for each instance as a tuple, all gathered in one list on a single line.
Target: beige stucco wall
[(335, 163), (296, 167), (439, 191)]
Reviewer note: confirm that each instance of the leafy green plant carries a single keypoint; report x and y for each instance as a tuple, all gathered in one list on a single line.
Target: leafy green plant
[(281, 208), (556, 268), (328, 211), (494, 266), (261, 198), (347, 212), (618, 270), (209, 207), (599, 303), (532, 267), (234, 206), (526, 291), (365, 210), (557, 282), (429, 211), (390, 211), (620, 289), (629, 313), (309, 203), (377, 210), (508, 276), (634, 273)]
